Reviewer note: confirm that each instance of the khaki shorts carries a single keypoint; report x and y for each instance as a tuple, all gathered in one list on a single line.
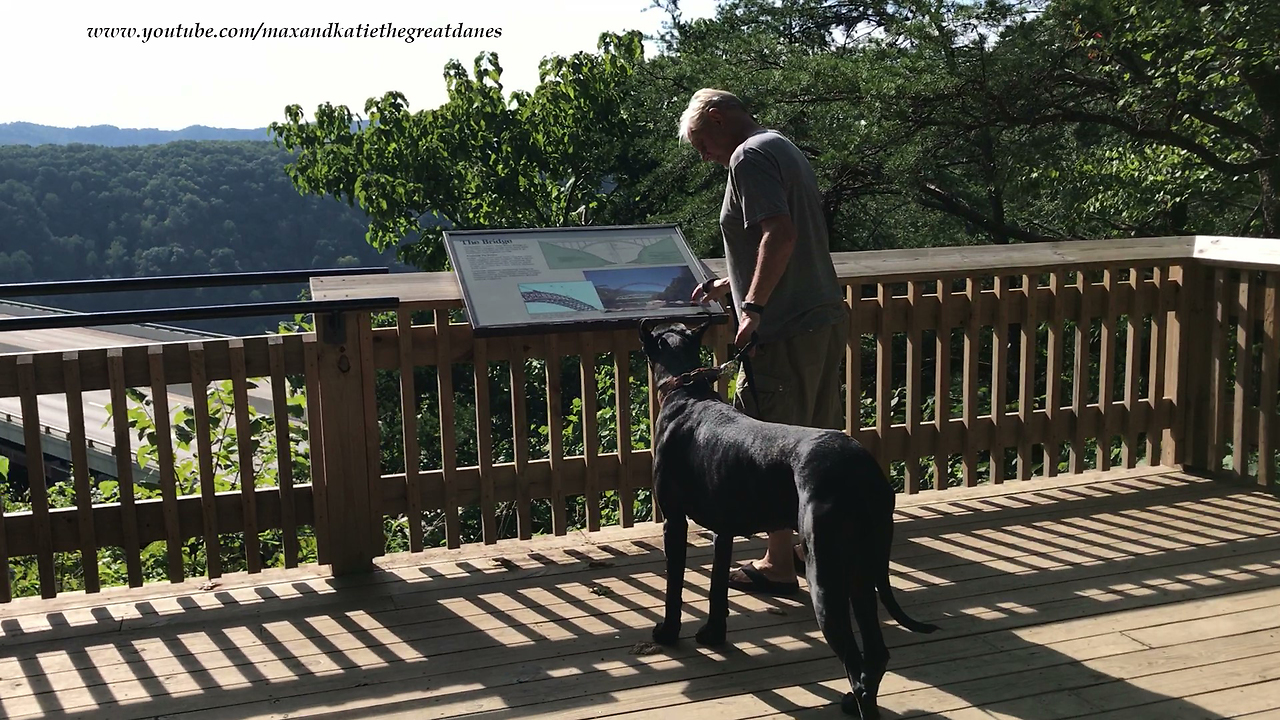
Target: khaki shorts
[(798, 379)]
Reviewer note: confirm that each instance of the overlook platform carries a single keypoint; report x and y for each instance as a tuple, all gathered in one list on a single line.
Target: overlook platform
[(1144, 593)]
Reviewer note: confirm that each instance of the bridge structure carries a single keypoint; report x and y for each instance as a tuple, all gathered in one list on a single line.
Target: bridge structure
[(564, 301), (615, 250), (584, 244)]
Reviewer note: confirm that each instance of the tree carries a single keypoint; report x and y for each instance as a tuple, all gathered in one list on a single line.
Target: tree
[(484, 159), (1006, 119), (1199, 85)]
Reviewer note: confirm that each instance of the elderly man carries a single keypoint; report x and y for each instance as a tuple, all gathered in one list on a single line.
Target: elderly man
[(784, 289)]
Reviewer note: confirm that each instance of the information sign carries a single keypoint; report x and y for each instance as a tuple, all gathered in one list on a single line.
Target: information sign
[(527, 280)]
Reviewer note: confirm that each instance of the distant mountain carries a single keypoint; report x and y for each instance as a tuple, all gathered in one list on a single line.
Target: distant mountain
[(24, 133)]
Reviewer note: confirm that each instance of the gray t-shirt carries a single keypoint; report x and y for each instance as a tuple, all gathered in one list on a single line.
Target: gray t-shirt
[(768, 175)]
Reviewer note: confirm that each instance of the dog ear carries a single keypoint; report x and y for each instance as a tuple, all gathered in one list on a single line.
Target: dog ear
[(646, 331), (648, 341)]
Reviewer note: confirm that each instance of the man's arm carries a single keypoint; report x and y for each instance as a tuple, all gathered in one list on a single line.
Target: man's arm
[(778, 239)]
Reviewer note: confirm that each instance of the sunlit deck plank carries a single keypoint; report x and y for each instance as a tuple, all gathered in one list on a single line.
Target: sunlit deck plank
[(1135, 594)]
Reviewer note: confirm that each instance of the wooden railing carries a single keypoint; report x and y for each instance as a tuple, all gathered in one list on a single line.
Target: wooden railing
[(940, 337)]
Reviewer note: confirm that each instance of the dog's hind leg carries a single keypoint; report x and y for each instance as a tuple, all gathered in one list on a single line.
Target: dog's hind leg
[(713, 632), (829, 588), (875, 657), (675, 532)]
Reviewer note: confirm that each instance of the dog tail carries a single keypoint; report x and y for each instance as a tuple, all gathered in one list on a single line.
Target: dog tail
[(886, 590)]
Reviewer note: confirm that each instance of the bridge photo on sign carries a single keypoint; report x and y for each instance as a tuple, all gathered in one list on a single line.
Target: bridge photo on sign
[(517, 281)]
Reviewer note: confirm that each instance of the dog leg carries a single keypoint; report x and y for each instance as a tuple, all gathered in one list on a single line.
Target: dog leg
[(675, 532), (713, 632), (876, 653), (829, 588)]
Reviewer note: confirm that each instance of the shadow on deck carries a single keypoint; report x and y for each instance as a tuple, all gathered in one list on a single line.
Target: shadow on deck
[(1132, 594)]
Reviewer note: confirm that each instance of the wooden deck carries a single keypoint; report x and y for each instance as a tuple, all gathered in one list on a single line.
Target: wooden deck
[(1136, 595)]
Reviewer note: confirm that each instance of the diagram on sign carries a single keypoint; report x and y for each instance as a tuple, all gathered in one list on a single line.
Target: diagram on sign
[(596, 252), (541, 298)]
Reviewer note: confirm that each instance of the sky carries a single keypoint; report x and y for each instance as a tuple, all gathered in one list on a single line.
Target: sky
[(56, 74)]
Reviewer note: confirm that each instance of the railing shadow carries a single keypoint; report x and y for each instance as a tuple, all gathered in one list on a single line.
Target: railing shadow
[(554, 633)]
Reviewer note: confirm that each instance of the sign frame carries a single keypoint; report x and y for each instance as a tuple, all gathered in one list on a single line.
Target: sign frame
[(707, 311)]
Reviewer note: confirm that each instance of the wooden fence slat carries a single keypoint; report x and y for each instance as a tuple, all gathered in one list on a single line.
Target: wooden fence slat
[(1053, 373), (204, 459), (80, 468), (622, 413), (448, 436), (1106, 370), (942, 386), (555, 437), (1080, 372), (1159, 422), (372, 434), (247, 476), (174, 569), (853, 364), (915, 342), (409, 429), (520, 433), (124, 466), (655, 511), (284, 449), (720, 353), (969, 399), (315, 445), (999, 377), (484, 442), (1244, 310), (884, 372), (590, 430), (1135, 321), (6, 592), (1270, 367), (1218, 369), (36, 474), (1029, 339)]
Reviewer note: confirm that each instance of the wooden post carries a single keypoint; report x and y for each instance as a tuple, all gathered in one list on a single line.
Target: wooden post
[(344, 386), (1187, 369)]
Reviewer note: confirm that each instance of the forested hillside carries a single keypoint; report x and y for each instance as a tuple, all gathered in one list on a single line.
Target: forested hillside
[(25, 133), (82, 211)]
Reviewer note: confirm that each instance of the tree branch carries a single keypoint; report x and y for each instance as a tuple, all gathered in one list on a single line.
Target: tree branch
[(935, 198), (1161, 136)]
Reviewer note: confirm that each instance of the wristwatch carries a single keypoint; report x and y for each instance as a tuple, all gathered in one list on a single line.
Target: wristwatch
[(753, 307)]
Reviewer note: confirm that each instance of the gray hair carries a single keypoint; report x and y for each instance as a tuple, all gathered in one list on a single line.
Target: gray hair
[(700, 103)]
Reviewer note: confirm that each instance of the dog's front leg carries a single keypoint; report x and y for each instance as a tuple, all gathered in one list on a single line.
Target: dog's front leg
[(675, 532), (713, 632)]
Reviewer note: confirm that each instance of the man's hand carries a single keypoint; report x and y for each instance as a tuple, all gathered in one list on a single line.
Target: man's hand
[(747, 324), (715, 290)]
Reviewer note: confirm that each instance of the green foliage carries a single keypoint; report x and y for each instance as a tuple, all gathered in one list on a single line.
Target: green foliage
[(228, 475), (484, 159)]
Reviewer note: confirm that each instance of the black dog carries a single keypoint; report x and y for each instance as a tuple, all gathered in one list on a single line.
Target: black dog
[(738, 476)]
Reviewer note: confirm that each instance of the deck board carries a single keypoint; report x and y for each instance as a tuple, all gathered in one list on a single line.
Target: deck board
[(1135, 593)]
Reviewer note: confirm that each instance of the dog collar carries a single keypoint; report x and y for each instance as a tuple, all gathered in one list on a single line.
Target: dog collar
[(671, 384)]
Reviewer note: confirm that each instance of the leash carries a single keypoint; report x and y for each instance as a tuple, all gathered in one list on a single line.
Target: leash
[(713, 373)]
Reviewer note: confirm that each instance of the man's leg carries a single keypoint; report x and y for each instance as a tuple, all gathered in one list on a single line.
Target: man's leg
[(792, 379)]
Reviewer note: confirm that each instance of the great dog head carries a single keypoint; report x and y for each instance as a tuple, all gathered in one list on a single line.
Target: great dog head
[(672, 348)]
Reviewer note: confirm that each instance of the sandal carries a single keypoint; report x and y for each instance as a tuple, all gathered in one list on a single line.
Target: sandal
[(761, 584)]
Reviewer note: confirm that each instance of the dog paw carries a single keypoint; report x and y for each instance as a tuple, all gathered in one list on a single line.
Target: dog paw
[(860, 705), (665, 634), (711, 635)]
